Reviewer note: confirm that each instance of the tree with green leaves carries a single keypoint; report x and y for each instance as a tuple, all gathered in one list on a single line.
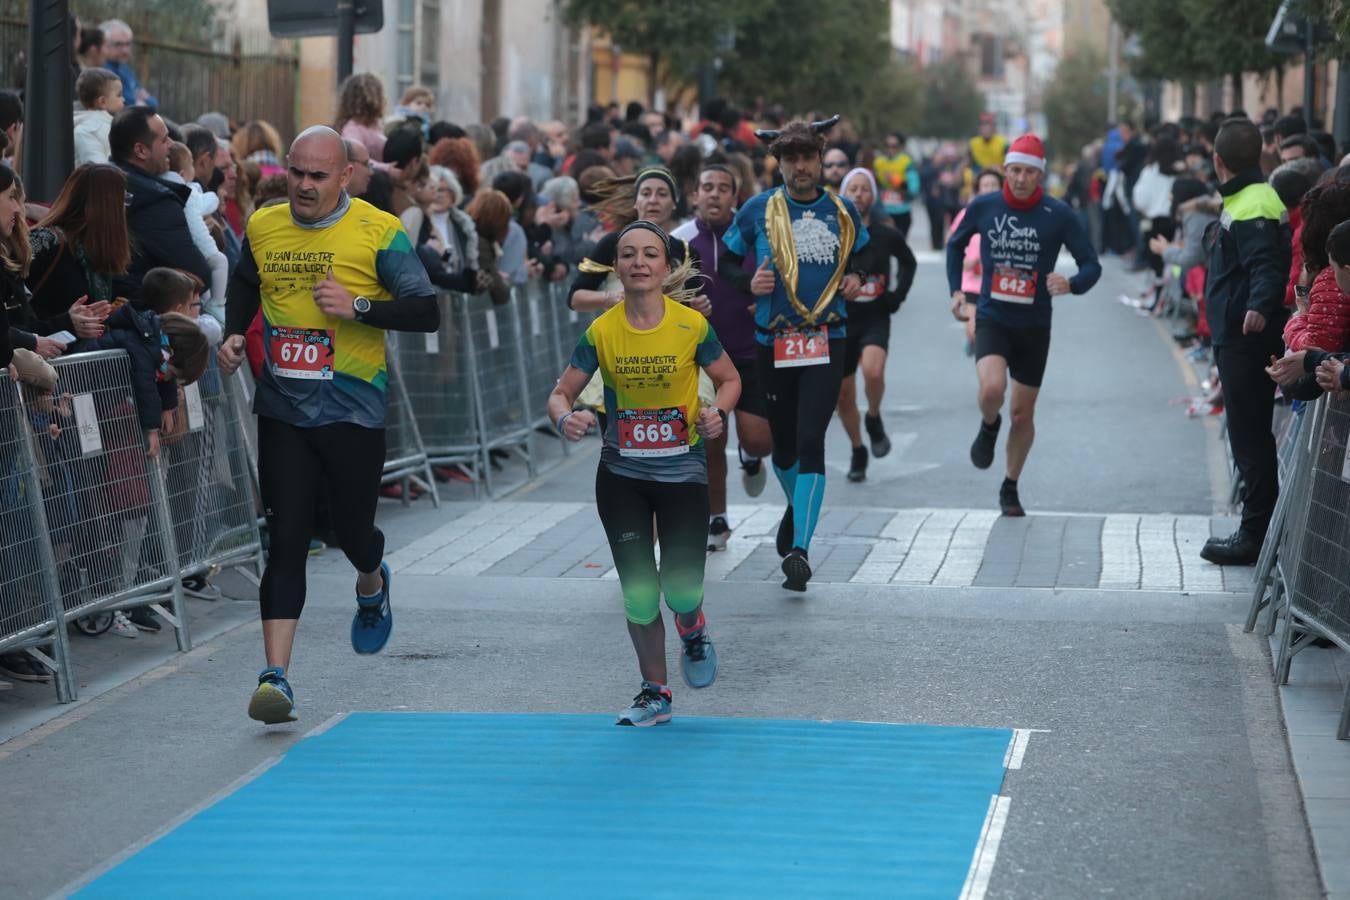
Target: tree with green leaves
[(792, 52), (1075, 103), (952, 102), (894, 100)]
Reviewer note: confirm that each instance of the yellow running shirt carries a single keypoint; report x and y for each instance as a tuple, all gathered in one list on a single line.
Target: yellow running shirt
[(319, 369), (651, 391), (988, 154)]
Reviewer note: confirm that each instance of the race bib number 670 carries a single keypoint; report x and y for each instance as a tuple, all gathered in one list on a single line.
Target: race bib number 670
[(301, 352), (1013, 285)]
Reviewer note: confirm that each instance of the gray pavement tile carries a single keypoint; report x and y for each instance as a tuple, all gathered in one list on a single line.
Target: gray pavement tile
[(869, 524)]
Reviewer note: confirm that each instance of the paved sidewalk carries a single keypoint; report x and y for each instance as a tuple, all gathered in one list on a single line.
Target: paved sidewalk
[(943, 547)]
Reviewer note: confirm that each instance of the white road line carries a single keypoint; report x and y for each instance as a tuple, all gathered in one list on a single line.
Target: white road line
[(1017, 747), (886, 556), (1159, 567), (966, 551), (1120, 552), (1196, 574), (986, 851), (930, 547)]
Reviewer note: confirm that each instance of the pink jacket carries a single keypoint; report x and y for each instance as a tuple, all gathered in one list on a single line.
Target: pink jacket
[(1326, 324), (370, 135)]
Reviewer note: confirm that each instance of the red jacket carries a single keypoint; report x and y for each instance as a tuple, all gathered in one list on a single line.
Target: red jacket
[(1296, 259), (1326, 324)]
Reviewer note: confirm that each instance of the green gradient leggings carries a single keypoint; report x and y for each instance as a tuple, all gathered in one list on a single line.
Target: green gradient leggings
[(626, 507)]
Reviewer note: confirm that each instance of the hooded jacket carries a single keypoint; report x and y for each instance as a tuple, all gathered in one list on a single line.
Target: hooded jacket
[(1326, 324), (159, 231), (137, 332), (1195, 217), (91, 136), (1249, 249)]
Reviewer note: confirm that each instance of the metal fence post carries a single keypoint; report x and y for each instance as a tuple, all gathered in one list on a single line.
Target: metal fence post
[(66, 691)]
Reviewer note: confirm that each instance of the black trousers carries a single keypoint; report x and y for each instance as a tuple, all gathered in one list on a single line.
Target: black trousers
[(937, 223), (341, 462), (1249, 403), (801, 403)]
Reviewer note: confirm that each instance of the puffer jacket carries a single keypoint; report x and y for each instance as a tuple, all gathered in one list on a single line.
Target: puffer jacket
[(1326, 324), (1195, 216), (159, 232), (137, 332)]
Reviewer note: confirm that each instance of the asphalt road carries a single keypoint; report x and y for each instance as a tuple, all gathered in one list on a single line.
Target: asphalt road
[(1159, 766)]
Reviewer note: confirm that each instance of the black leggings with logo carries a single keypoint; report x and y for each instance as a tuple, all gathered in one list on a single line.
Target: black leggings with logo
[(343, 461)]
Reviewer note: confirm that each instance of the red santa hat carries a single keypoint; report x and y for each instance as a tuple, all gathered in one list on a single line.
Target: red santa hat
[(1027, 151)]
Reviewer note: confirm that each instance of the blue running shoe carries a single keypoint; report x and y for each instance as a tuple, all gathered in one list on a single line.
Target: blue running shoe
[(374, 619), (698, 657), (650, 707), (272, 703)]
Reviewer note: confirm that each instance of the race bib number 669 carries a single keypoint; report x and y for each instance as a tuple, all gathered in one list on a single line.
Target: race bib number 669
[(653, 432)]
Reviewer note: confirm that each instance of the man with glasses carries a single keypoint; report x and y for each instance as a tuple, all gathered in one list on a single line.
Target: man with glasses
[(834, 165), (898, 179), (117, 41)]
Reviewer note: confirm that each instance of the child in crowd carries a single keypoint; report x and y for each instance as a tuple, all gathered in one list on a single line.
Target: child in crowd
[(415, 108), (100, 95), (199, 206), (165, 290)]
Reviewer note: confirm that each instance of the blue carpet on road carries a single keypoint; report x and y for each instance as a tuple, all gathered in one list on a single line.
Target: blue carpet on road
[(445, 804)]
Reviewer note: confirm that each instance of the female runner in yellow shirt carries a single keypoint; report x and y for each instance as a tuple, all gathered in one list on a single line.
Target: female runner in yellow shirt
[(653, 464)]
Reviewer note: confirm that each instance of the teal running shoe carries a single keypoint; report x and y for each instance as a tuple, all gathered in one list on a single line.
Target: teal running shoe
[(273, 702), (650, 707), (374, 620), (698, 656)]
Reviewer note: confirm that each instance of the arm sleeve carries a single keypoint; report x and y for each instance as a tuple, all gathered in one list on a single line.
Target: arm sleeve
[(731, 269), (908, 267), (243, 296), (413, 307), (23, 339), (956, 249), (201, 235), (1260, 257), (584, 356), (594, 269), (464, 281), (1084, 254), (709, 349), (1191, 251)]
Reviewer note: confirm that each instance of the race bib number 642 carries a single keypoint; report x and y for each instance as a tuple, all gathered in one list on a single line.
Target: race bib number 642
[(1013, 285)]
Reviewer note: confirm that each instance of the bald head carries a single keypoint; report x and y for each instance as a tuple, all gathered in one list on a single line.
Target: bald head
[(318, 170)]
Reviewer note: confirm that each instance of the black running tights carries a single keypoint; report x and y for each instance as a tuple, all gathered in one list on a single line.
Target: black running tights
[(801, 403), (345, 463)]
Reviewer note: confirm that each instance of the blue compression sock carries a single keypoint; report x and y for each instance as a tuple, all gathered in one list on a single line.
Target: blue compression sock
[(788, 479), (806, 502)]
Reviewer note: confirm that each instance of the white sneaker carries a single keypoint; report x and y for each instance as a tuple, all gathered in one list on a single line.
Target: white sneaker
[(122, 626), (718, 532)]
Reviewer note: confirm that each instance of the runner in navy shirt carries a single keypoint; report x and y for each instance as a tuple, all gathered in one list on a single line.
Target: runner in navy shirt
[(1021, 232)]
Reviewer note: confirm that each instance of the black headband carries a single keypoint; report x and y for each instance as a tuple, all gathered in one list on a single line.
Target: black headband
[(644, 225), (661, 173)]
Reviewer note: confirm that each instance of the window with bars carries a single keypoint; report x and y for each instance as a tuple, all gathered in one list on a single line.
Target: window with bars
[(418, 62)]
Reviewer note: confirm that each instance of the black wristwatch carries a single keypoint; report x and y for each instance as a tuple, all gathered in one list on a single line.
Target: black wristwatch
[(361, 306), (723, 413)]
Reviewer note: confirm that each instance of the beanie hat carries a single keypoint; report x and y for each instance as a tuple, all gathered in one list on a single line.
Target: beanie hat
[(860, 173), (1027, 151)]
